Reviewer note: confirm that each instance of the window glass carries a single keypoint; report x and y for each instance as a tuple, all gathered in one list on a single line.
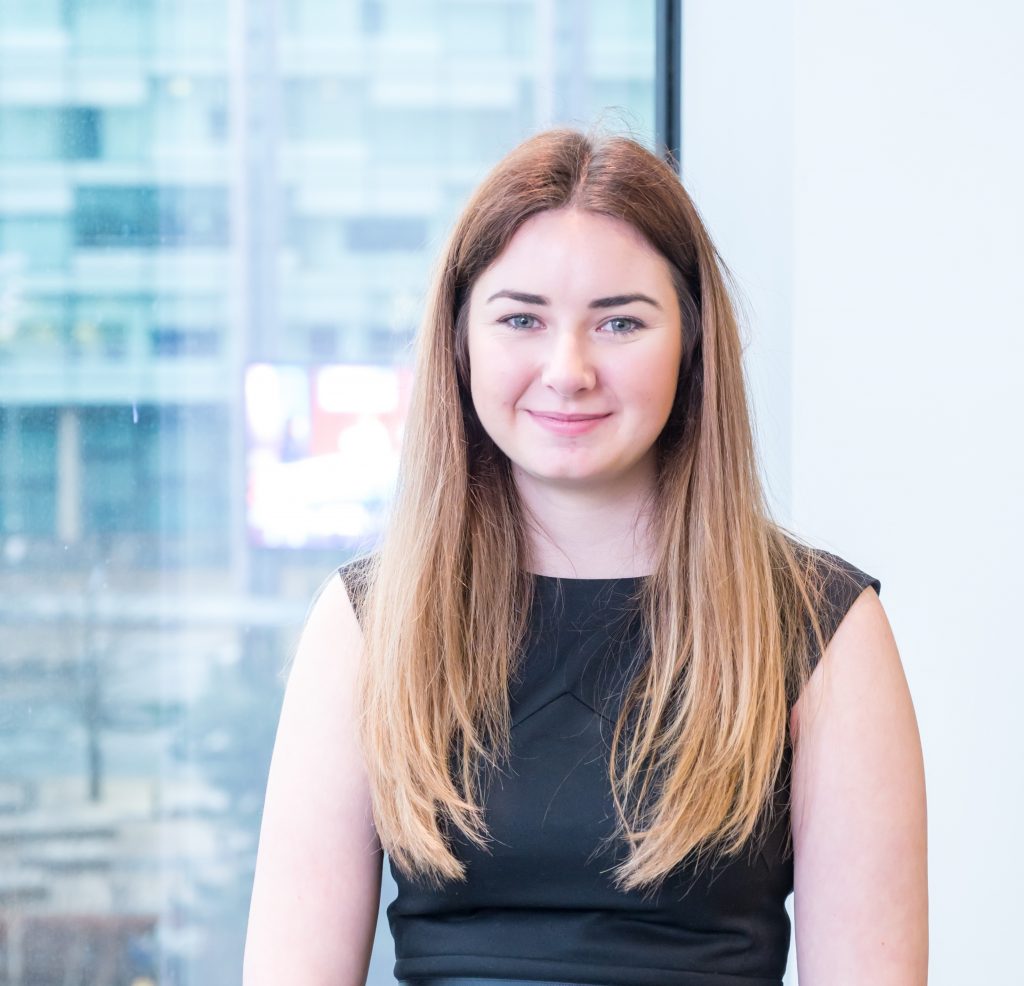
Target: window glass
[(28, 483), (217, 221), (31, 15), (39, 242), (110, 27)]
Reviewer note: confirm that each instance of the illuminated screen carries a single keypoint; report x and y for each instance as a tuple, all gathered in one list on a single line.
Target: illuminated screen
[(322, 452)]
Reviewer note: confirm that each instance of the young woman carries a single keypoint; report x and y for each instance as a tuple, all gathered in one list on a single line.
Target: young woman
[(600, 710)]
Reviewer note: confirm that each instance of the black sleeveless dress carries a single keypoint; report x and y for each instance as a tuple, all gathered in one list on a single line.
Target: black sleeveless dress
[(540, 905)]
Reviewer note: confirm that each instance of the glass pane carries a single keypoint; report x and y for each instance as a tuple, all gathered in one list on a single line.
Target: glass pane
[(217, 221)]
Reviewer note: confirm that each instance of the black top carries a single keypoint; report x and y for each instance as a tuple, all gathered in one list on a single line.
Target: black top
[(540, 904)]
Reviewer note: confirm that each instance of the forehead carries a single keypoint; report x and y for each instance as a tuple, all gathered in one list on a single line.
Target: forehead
[(563, 248)]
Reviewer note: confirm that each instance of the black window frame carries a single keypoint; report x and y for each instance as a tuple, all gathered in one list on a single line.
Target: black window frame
[(668, 81)]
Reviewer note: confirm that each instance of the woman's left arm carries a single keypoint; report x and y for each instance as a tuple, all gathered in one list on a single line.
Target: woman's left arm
[(858, 813)]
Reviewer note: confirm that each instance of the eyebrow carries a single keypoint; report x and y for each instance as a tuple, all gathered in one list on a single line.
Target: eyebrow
[(613, 301)]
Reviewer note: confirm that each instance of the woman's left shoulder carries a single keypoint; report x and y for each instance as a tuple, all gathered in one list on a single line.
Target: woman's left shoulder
[(843, 583), (858, 807), (861, 663)]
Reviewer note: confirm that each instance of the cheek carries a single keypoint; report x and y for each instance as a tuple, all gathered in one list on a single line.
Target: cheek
[(656, 407), (487, 384), (668, 373), (669, 388), (655, 384), (497, 374), (496, 395), (479, 364)]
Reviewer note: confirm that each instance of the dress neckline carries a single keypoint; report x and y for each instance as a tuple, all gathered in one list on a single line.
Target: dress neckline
[(573, 580)]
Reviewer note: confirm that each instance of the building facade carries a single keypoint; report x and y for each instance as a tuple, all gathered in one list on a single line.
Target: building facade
[(188, 188)]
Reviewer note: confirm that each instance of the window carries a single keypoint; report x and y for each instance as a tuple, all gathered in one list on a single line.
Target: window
[(79, 129), (28, 471), (184, 196), (153, 470), (130, 217)]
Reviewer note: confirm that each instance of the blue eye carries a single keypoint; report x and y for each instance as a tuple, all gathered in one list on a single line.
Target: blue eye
[(623, 326), (520, 321)]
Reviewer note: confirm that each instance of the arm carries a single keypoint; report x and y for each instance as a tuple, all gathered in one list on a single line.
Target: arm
[(317, 885), (859, 830)]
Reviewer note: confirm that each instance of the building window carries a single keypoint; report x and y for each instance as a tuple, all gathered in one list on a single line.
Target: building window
[(79, 129), (189, 188), (173, 342), (148, 216), (386, 233), (155, 470), (28, 471)]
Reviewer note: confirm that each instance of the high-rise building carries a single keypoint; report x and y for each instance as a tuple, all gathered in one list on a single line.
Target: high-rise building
[(187, 188)]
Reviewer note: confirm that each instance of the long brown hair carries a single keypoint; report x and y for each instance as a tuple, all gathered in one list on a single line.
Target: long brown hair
[(726, 610)]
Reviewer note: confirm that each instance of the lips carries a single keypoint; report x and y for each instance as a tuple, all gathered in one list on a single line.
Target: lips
[(554, 415), (567, 424)]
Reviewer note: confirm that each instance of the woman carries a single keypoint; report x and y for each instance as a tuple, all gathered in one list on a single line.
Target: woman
[(577, 695)]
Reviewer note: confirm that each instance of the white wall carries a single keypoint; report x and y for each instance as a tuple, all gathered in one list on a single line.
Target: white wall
[(862, 168)]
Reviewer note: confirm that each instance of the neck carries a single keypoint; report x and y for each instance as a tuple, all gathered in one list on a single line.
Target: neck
[(586, 534)]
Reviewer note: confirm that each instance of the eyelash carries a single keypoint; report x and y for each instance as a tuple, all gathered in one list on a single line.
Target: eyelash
[(635, 323)]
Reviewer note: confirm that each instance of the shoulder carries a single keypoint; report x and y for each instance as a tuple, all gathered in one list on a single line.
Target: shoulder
[(304, 923), (840, 584), (818, 594), (330, 631), (332, 614), (832, 586), (858, 807), (323, 674), (860, 649)]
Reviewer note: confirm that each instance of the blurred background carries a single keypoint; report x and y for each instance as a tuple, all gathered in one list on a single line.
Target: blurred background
[(217, 222)]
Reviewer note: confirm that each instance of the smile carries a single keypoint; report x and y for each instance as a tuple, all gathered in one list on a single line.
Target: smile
[(567, 424)]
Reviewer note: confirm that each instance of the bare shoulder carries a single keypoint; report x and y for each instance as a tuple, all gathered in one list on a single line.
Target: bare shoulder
[(331, 631), (317, 885), (323, 673), (862, 650), (858, 812)]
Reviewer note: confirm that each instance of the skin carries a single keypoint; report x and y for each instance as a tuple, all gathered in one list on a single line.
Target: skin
[(859, 815), (859, 825), (577, 317), (318, 870)]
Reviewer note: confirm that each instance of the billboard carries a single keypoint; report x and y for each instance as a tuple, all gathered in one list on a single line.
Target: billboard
[(322, 452)]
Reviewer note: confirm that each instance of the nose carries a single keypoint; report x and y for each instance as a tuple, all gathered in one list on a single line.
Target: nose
[(568, 369)]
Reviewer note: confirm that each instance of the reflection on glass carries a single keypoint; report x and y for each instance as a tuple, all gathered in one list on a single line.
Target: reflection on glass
[(322, 453), (216, 225)]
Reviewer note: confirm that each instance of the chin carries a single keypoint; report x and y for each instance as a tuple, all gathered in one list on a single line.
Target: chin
[(569, 478)]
